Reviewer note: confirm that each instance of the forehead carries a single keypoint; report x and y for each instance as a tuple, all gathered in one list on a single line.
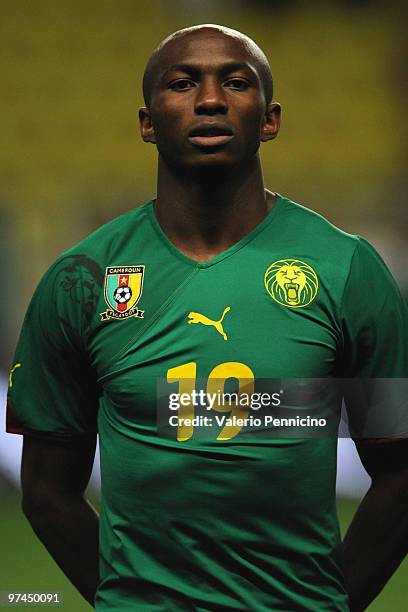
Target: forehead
[(207, 48)]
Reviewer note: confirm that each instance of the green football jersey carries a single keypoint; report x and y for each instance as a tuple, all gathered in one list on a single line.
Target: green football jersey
[(229, 523)]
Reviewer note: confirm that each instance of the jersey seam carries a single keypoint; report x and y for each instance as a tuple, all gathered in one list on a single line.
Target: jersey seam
[(154, 318), (53, 269), (348, 276), (341, 310)]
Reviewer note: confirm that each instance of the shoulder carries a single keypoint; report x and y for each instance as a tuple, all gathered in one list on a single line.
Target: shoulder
[(71, 286), (87, 258), (347, 265), (313, 226), (310, 237), (113, 233)]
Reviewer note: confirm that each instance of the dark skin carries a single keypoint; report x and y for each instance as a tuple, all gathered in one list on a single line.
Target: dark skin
[(377, 538), (208, 198), (54, 475)]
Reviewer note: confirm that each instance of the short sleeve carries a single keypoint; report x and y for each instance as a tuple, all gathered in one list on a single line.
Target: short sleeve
[(375, 357), (52, 387)]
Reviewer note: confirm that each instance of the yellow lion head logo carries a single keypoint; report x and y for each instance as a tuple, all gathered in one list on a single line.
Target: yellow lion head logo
[(291, 282)]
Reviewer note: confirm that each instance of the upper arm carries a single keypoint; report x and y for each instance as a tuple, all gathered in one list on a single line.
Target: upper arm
[(53, 385), (374, 319), (384, 457), (375, 349), (55, 466)]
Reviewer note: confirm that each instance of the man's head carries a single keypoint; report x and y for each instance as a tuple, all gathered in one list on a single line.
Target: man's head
[(257, 55), (208, 94)]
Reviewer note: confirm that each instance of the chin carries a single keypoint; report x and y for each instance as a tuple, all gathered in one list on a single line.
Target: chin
[(214, 159), (212, 168), (201, 163)]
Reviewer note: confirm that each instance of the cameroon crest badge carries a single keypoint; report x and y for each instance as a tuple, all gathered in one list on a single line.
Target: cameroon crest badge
[(123, 289), (291, 282)]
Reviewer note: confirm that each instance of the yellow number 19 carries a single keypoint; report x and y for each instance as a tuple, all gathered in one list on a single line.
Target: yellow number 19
[(186, 376)]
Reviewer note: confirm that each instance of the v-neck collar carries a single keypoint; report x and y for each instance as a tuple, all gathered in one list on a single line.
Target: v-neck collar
[(224, 254)]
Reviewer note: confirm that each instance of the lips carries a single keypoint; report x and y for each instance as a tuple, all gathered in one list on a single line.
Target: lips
[(210, 135)]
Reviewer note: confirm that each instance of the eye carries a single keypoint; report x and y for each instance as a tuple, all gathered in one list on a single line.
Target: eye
[(181, 85), (237, 83)]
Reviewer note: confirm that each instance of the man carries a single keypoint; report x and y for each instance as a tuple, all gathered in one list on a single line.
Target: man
[(215, 279)]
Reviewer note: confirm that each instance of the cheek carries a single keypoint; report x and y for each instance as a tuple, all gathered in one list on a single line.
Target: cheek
[(252, 120), (168, 134), (169, 119), (169, 106)]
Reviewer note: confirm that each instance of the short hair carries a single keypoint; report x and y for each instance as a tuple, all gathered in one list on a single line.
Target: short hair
[(249, 44)]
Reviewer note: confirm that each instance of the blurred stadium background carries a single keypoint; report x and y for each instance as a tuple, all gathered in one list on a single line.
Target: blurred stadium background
[(71, 158)]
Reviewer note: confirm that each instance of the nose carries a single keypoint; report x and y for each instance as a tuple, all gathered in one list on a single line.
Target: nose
[(210, 99)]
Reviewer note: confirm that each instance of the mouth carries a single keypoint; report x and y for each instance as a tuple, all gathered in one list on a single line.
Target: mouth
[(292, 291), (210, 135)]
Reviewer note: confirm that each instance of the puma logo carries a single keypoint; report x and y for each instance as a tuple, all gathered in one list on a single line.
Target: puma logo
[(197, 317), (18, 365)]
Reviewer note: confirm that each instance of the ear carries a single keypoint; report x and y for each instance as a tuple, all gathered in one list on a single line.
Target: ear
[(271, 123), (146, 125)]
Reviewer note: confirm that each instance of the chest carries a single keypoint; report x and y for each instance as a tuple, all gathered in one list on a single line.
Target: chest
[(208, 318)]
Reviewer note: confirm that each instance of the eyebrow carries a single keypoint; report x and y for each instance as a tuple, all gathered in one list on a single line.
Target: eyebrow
[(195, 70)]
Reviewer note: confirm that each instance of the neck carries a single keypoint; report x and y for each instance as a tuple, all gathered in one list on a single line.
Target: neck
[(205, 213)]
